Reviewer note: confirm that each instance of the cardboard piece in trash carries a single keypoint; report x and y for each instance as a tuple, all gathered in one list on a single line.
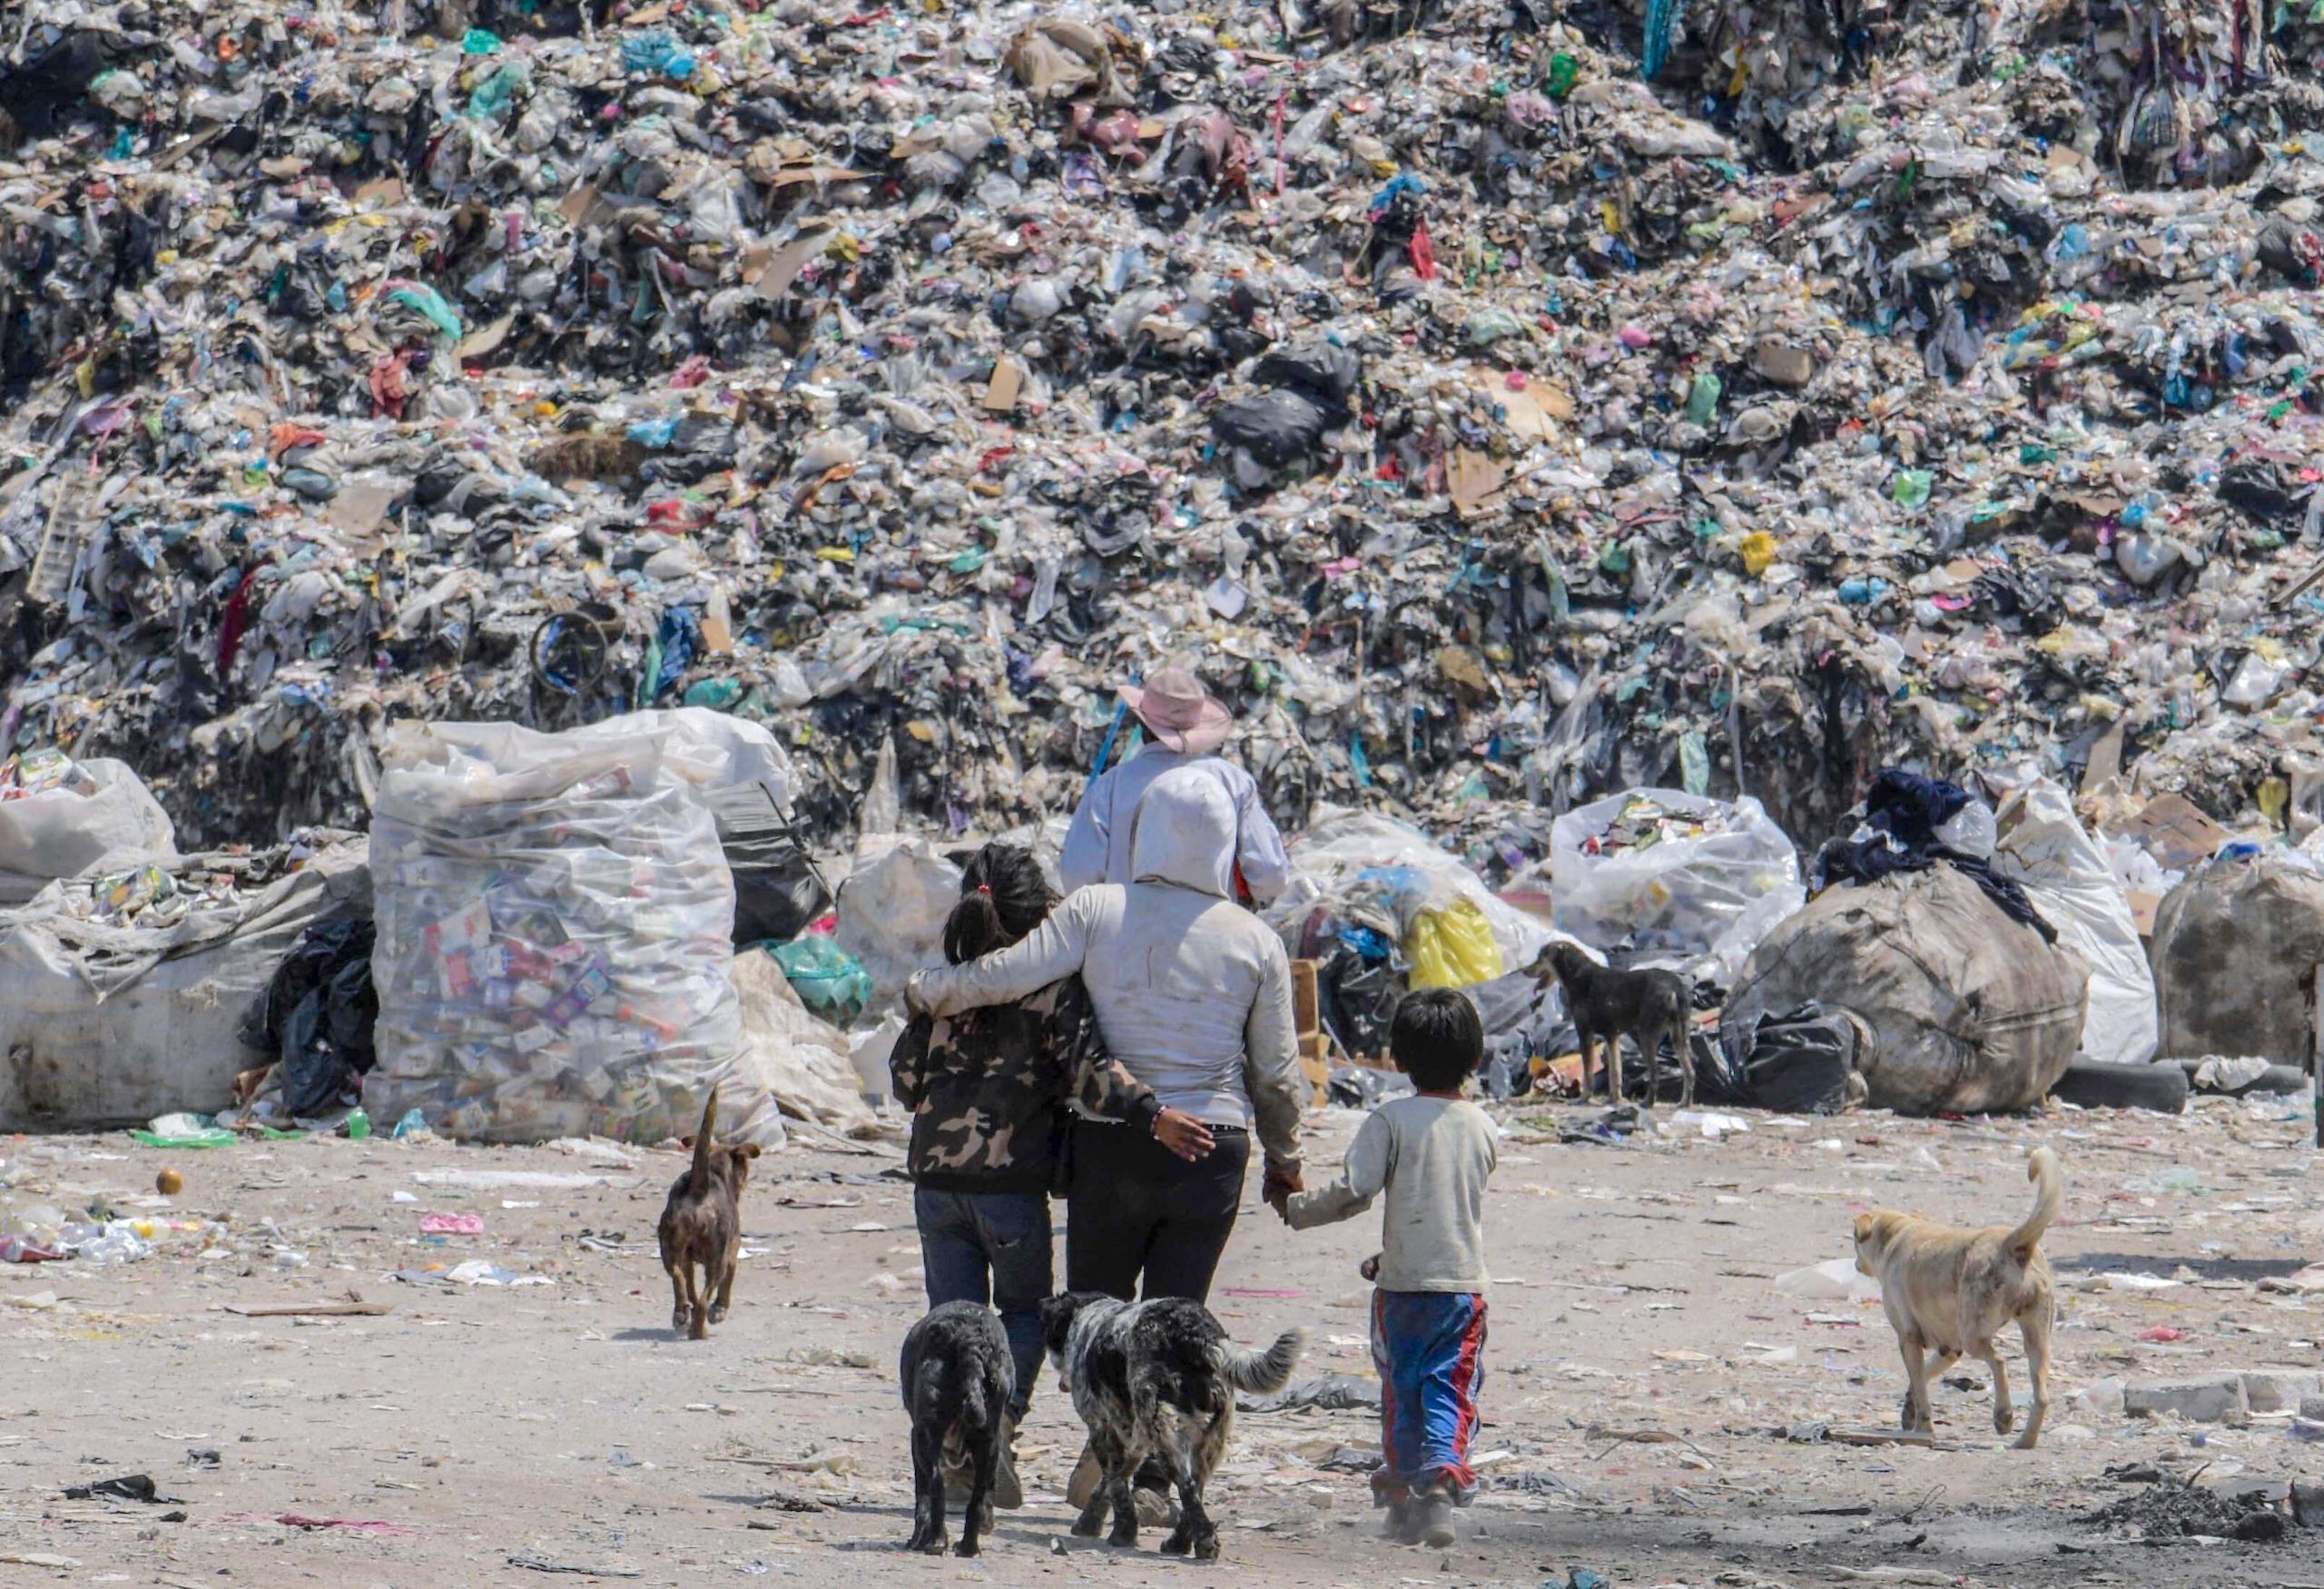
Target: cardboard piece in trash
[(486, 338), (1785, 363), (1523, 411), (1000, 391), (1475, 478), (2175, 832), (583, 205), (361, 506), (774, 278)]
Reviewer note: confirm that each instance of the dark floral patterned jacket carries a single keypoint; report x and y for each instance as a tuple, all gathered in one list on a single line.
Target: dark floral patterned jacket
[(988, 1090)]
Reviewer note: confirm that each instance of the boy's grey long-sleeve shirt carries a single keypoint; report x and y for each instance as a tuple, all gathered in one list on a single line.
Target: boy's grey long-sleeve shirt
[(1432, 1156)]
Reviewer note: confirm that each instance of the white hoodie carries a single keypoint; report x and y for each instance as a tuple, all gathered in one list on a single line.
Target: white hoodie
[(1193, 993)]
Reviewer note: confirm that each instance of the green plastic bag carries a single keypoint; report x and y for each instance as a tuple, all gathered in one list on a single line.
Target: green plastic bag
[(184, 1131), (829, 981), (1452, 948)]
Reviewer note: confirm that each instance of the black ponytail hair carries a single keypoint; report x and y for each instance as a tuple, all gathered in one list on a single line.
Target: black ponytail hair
[(1003, 896)]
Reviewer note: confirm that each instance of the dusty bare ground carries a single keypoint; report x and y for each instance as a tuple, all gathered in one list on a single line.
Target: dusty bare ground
[(560, 1422)]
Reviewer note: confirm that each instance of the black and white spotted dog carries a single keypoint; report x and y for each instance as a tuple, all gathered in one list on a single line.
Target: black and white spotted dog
[(957, 1382), (1156, 1380)]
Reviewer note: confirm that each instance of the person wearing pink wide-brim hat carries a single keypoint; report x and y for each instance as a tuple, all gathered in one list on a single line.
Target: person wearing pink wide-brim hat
[(1185, 725)]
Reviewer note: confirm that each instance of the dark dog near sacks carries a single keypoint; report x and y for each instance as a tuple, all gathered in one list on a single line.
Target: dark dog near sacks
[(1606, 1003), (702, 1228), (1156, 1380), (958, 1379)]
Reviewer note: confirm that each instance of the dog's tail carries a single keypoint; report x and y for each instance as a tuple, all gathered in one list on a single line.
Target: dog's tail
[(2049, 1199), (1266, 1372), (699, 1181)]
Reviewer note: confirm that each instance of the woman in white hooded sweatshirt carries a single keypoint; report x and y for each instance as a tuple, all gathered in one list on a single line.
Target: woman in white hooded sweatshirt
[(1192, 996)]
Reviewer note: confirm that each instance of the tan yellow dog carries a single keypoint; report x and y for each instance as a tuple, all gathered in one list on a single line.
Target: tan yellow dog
[(1950, 1291)]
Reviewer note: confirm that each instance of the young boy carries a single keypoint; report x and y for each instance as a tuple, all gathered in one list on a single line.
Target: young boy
[(1431, 1153)]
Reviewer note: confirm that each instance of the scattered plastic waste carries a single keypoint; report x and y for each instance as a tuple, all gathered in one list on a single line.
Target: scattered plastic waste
[(184, 1131), (1726, 405)]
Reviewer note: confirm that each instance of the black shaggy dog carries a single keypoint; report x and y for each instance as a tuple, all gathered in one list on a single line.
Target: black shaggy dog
[(1605, 1004), (958, 1379), (1156, 1380)]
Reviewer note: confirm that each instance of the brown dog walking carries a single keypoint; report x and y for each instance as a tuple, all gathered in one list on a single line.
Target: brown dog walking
[(702, 1228)]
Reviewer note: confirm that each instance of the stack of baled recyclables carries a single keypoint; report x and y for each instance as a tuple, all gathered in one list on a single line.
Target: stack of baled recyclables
[(555, 922)]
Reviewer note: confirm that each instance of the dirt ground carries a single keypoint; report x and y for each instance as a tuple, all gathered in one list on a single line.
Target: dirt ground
[(1643, 1370)]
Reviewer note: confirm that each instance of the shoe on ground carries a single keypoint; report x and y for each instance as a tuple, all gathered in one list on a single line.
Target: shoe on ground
[(1156, 1509), (1083, 1485), (1433, 1520), (1008, 1494), (1398, 1529), (958, 1474)]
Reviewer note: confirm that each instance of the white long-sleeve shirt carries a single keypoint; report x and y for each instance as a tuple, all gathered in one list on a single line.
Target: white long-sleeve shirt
[(1098, 846), (1432, 1156), (1193, 993)]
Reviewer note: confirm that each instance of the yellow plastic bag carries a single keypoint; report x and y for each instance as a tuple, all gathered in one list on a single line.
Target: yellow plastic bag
[(1452, 948)]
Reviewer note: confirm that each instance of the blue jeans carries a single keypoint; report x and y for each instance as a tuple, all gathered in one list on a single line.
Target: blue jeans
[(991, 1249)]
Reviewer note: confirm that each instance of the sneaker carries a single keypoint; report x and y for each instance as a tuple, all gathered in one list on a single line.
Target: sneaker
[(1432, 1519), (957, 1473), (1007, 1493), (1156, 1509), (1083, 1485)]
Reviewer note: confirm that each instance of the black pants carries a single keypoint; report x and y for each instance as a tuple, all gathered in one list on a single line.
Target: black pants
[(1138, 1208)]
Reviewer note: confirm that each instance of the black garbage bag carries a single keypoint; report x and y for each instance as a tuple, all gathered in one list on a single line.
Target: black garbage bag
[(1716, 1079), (2260, 489), (1277, 427), (56, 70), (1362, 1087), (317, 1015), (1319, 370), (1521, 1019), (777, 890), (1799, 1061), (1357, 1000)]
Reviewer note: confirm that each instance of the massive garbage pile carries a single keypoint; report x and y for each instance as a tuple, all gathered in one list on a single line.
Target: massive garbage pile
[(1513, 402)]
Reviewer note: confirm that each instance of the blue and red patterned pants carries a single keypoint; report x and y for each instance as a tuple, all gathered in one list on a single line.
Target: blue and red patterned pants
[(1429, 1347)]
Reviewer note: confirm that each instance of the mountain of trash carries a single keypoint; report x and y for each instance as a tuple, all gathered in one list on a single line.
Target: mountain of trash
[(1512, 402)]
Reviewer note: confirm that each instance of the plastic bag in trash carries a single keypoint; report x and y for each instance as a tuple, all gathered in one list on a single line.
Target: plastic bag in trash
[(1358, 997), (1672, 875), (778, 889), (832, 983), (1366, 1087), (1802, 1061), (1370, 858), (317, 1016), (1452, 947), (2043, 848), (892, 913), (1970, 831), (60, 817), (555, 918)]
